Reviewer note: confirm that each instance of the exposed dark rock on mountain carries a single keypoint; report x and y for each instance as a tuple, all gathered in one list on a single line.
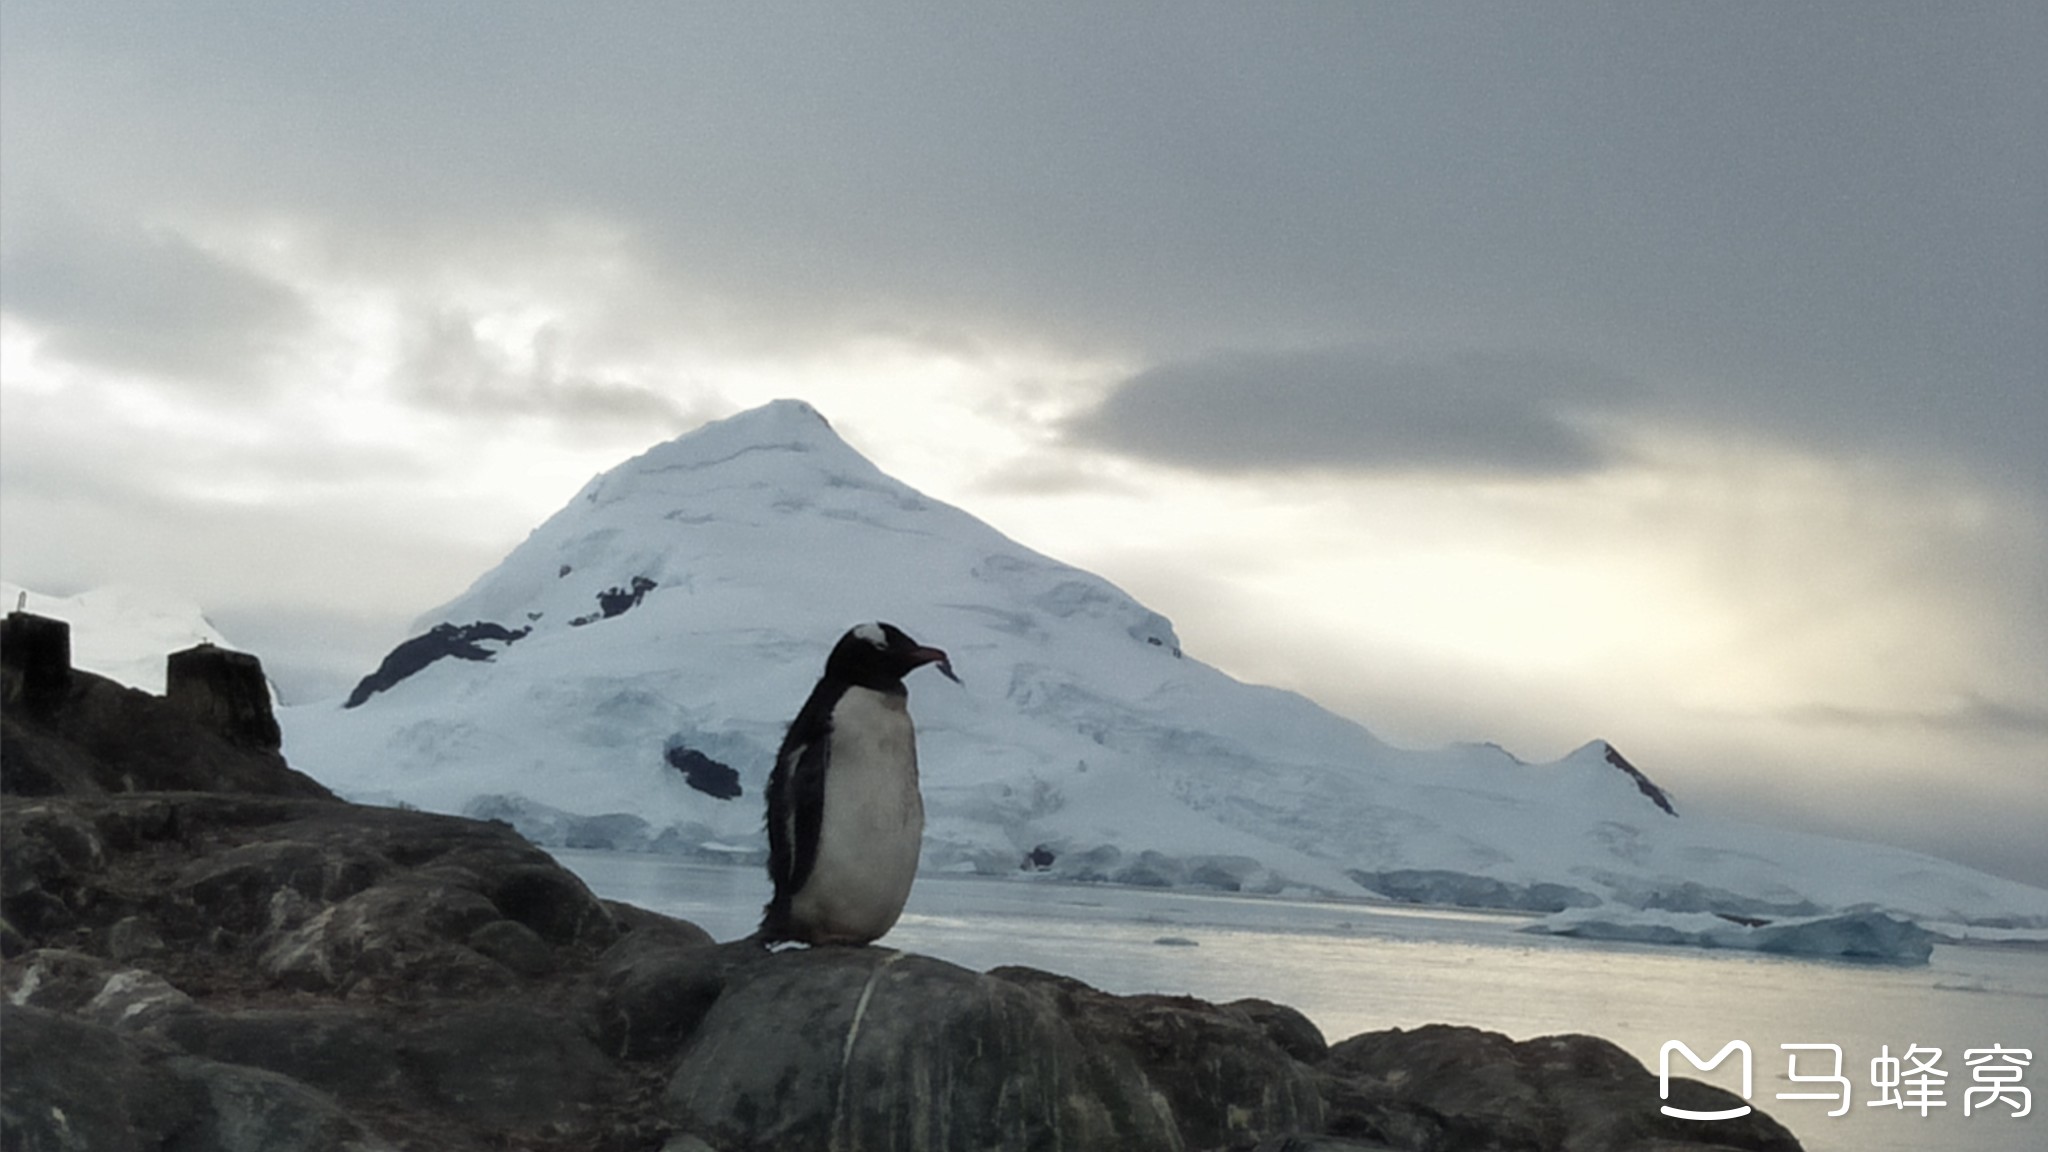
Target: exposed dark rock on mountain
[(703, 773), (461, 641), (616, 601), (1643, 783), (244, 963)]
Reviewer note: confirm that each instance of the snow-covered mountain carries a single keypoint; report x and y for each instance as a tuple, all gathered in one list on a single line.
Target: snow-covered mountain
[(121, 633), (631, 665)]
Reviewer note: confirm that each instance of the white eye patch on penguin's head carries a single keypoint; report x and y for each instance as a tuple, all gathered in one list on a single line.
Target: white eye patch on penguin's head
[(876, 654)]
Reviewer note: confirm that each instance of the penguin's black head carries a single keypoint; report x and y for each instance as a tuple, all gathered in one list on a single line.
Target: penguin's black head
[(879, 656)]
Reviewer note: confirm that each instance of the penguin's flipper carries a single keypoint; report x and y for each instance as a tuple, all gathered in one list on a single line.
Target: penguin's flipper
[(804, 794), (796, 812)]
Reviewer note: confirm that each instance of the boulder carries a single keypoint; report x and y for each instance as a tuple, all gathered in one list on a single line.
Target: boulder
[(1441, 1086), (877, 1049), (76, 1086)]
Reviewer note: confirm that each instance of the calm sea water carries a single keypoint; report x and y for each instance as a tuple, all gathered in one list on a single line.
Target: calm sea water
[(1355, 968)]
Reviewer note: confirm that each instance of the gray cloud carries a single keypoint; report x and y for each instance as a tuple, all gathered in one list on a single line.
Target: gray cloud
[(145, 301), (1827, 218), (1974, 714), (447, 366), (1365, 410)]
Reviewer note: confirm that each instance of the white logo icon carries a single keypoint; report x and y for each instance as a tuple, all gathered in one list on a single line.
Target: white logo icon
[(1664, 1078)]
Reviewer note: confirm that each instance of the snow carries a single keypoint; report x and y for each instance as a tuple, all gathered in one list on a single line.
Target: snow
[(752, 544), (121, 633)]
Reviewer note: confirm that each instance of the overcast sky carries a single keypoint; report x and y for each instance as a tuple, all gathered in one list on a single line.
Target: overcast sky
[(1675, 374)]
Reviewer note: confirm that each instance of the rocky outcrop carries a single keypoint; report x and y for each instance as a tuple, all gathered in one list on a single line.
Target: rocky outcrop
[(68, 732), (442, 641), (260, 969), (225, 692), (1643, 783)]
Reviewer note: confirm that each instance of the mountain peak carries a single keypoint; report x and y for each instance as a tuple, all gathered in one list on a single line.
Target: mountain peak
[(778, 421), (788, 425), (771, 438)]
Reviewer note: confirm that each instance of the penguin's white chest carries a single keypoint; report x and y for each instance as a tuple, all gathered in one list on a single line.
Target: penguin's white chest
[(872, 826)]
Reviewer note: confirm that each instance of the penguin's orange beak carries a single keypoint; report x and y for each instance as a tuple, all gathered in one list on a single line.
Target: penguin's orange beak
[(925, 656)]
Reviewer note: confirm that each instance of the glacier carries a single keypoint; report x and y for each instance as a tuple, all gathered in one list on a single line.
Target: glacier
[(679, 607)]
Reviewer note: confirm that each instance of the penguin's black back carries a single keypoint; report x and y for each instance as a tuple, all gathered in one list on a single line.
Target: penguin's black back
[(796, 801)]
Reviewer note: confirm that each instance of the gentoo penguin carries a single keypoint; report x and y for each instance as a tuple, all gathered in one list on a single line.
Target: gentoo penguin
[(845, 818)]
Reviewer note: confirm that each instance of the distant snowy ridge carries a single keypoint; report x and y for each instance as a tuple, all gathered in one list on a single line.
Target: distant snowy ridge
[(121, 633), (673, 615)]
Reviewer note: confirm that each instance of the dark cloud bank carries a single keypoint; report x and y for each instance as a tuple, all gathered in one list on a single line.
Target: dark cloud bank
[(1362, 410), (1824, 220)]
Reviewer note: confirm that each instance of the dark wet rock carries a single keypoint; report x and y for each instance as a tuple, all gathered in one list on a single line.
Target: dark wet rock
[(550, 900), (410, 934), (76, 1086), (1452, 1087), (515, 946), (134, 1000), (1224, 1079), (657, 983), (1294, 1033), (881, 1049), (134, 938), (250, 1110), (347, 1052), (500, 1063), (441, 642)]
